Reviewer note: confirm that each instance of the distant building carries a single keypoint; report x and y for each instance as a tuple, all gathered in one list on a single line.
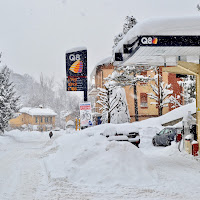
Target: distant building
[(40, 119), (71, 117)]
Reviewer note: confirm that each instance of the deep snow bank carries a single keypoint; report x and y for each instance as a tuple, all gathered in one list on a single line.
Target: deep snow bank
[(27, 135), (94, 160)]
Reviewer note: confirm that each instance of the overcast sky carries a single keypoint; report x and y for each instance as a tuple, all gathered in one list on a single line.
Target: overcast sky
[(34, 34)]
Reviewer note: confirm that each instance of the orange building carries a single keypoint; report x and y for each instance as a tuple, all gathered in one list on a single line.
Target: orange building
[(40, 119), (146, 106)]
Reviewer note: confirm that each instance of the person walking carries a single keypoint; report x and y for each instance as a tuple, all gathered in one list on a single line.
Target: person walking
[(50, 134)]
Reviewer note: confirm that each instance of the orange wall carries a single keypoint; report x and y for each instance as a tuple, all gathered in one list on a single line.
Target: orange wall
[(151, 110), (28, 119)]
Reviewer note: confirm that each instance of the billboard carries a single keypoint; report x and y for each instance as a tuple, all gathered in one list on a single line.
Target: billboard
[(76, 69), (85, 114)]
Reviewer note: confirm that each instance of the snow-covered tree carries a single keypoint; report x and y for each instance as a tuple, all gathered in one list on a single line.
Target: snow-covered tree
[(198, 7), (189, 88), (129, 23), (114, 105), (130, 76), (119, 112), (162, 94), (8, 99), (104, 102)]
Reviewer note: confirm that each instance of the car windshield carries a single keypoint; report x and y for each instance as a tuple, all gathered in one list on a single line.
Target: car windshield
[(162, 132)]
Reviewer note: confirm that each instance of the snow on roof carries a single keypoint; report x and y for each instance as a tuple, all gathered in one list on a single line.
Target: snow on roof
[(67, 114), (76, 49), (105, 61), (38, 111), (188, 25)]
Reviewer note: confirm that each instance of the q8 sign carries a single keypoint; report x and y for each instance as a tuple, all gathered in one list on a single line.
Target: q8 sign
[(76, 70)]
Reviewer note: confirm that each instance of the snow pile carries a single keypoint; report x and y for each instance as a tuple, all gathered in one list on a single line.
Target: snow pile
[(4, 140), (70, 123), (95, 160), (170, 116), (28, 135)]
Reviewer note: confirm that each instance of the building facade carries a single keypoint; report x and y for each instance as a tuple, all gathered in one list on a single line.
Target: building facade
[(146, 106), (40, 119)]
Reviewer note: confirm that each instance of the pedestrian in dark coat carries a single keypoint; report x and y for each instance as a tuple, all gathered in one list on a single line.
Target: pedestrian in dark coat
[(50, 134)]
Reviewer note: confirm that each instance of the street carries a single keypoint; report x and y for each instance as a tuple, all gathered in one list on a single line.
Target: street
[(24, 176)]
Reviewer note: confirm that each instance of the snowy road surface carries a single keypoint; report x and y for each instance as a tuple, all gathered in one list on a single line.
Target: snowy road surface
[(24, 174)]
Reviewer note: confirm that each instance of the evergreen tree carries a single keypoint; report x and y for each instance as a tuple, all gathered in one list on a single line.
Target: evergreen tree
[(114, 105), (8, 99), (129, 23), (130, 76)]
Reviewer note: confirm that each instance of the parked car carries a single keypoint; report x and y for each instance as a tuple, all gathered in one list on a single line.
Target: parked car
[(128, 135), (166, 136)]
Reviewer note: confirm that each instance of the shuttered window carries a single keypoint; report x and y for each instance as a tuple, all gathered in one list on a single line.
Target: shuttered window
[(143, 100), (143, 73)]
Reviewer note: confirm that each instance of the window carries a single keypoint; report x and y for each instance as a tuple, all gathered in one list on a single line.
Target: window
[(143, 73), (50, 119), (36, 120), (41, 120), (46, 119), (143, 100)]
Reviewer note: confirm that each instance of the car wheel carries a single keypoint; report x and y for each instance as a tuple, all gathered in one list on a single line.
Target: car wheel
[(154, 142), (137, 145), (168, 143)]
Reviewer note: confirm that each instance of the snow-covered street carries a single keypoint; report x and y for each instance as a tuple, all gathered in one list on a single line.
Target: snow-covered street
[(35, 167)]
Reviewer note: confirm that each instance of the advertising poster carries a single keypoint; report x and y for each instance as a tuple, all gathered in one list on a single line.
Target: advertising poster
[(85, 114)]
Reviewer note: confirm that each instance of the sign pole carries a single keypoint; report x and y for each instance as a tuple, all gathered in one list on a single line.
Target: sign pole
[(85, 95)]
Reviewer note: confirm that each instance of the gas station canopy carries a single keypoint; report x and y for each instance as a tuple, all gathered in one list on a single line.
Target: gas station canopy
[(160, 41), (165, 42)]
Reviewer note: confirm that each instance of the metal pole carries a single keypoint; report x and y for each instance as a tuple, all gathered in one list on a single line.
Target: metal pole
[(85, 95), (198, 106)]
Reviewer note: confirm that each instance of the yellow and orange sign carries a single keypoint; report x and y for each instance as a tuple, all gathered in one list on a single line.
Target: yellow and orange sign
[(77, 67)]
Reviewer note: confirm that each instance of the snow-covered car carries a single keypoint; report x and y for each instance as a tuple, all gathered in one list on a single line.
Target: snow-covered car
[(119, 134), (56, 129), (166, 136)]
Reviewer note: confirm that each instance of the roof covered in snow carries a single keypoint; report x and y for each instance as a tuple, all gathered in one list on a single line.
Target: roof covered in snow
[(160, 41), (68, 113), (38, 111), (105, 61), (163, 26)]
